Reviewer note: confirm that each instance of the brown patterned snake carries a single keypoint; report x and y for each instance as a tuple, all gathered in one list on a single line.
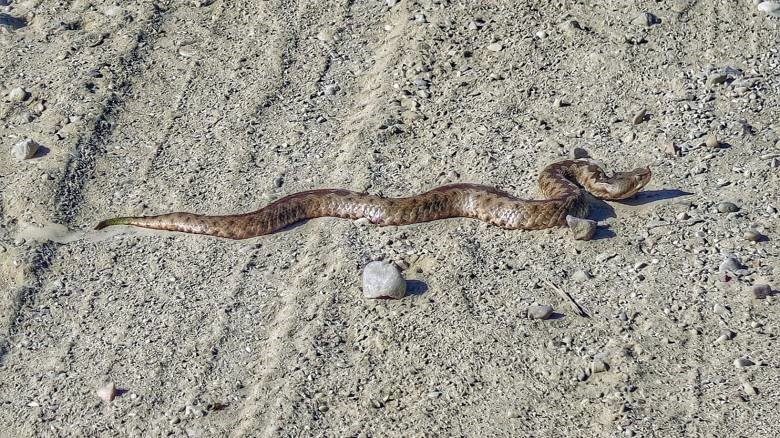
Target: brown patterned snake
[(563, 184)]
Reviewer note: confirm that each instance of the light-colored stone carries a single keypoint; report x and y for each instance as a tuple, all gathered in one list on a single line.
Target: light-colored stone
[(539, 311), (671, 149), (743, 362), (382, 280), (639, 117), (753, 236), (495, 47), (730, 264), (717, 78), (580, 276), (727, 207), (645, 19), (107, 392), (599, 366), (18, 94), (582, 229), (24, 150), (712, 141)]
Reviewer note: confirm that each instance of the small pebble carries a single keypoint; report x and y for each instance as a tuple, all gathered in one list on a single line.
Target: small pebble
[(18, 94), (671, 149), (495, 47), (578, 153), (539, 311), (24, 150), (760, 291), (727, 207), (645, 19), (717, 78), (330, 89), (743, 363), (382, 280), (582, 229), (599, 366), (107, 392), (712, 142), (749, 389), (753, 236), (639, 117), (580, 276), (725, 335), (730, 264)]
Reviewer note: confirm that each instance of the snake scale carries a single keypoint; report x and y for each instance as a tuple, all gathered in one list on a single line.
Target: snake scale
[(563, 185)]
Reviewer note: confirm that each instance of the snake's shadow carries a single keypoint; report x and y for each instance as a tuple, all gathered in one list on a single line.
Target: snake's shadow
[(601, 210), (650, 196)]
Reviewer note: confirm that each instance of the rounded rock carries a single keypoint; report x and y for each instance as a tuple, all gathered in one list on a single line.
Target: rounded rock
[(712, 142), (753, 236), (599, 366), (581, 276), (539, 311), (639, 117), (743, 363), (578, 153), (18, 94), (729, 264), (107, 392), (24, 150), (382, 280), (495, 47), (760, 291), (727, 207), (582, 229)]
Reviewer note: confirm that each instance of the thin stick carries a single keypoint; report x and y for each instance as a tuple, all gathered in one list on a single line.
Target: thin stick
[(565, 295)]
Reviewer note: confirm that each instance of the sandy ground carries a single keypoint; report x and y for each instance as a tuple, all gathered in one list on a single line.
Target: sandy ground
[(218, 107)]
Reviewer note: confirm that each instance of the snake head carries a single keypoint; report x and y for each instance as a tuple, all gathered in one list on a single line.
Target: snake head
[(636, 180), (624, 185)]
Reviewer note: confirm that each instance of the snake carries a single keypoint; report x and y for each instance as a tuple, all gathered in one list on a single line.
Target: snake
[(564, 185)]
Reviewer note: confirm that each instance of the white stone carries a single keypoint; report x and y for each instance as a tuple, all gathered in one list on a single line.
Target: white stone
[(107, 392), (382, 280), (18, 94), (25, 150), (539, 311), (495, 47)]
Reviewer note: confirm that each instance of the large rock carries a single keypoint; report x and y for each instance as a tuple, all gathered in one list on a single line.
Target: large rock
[(382, 280)]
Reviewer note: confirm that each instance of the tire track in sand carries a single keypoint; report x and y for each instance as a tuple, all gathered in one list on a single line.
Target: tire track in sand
[(365, 107), (79, 169)]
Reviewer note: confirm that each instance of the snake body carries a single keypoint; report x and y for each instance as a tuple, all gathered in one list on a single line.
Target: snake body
[(563, 185)]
